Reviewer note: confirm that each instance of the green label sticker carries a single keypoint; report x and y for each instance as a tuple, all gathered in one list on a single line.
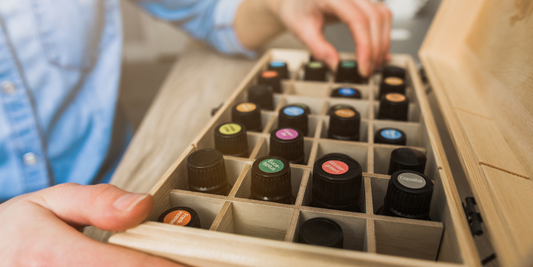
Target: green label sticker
[(230, 128), (315, 65), (348, 64), (271, 165)]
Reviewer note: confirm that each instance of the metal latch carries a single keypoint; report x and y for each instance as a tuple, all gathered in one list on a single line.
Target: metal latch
[(473, 217)]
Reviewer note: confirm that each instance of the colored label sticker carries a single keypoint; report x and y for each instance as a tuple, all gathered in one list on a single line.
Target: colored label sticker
[(246, 107), (335, 167), (230, 128), (393, 81), (178, 217), (395, 97), (391, 134), (348, 64), (344, 113), (293, 111), (271, 165), (286, 134), (411, 180), (277, 64), (347, 91), (269, 74), (316, 65)]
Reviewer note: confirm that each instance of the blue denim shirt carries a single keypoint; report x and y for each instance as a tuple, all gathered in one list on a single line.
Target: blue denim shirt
[(59, 75)]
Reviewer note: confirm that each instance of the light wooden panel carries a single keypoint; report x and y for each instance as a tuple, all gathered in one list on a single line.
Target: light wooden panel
[(478, 58)]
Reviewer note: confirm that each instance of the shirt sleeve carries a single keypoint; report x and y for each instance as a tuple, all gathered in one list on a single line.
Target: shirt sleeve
[(208, 20)]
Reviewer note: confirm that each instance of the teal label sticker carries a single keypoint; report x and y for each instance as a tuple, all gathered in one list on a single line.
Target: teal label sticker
[(348, 64), (391, 134), (271, 165), (293, 111), (347, 91), (277, 64)]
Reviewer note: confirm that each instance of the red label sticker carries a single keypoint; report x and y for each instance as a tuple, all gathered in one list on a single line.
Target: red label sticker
[(335, 167)]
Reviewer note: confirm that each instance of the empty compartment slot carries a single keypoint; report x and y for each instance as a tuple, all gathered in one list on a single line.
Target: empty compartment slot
[(413, 114), (206, 207), (382, 156), (313, 89), (234, 168), (363, 130), (366, 92), (416, 239), (357, 151), (266, 119), (244, 190), (308, 194), (379, 190), (257, 220), (353, 228), (362, 106), (412, 131)]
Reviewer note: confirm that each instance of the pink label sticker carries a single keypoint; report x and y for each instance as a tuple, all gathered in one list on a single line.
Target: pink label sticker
[(286, 134), (335, 167)]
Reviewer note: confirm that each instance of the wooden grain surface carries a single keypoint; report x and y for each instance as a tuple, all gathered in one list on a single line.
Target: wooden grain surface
[(200, 80)]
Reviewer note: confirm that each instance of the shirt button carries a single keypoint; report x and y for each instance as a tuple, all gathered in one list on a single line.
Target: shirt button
[(8, 88), (30, 159)]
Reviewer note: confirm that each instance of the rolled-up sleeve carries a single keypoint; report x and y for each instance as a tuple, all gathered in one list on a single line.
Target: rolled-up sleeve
[(208, 20)]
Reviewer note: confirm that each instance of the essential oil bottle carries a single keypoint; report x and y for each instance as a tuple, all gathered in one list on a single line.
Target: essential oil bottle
[(294, 116), (407, 159), (408, 196), (321, 232), (393, 106), (288, 143), (271, 180), (247, 114), (181, 216), (231, 139), (337, 180), (344, 123), (390, 136), (206, 171)]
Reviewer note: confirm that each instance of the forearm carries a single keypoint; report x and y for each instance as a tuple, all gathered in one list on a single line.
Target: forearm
[(256, 22)]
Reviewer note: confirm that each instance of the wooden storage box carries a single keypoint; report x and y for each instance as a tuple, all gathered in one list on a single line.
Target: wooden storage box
[(467, 80)]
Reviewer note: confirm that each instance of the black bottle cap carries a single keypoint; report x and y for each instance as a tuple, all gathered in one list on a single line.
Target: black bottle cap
[(207, 172), (344, 124), (348, 72), (408, 195), (393, 106), (391, 85), (262, 96), (315, 71), (270, 78), (346, 92), (321, 232), (337, 180), (231, 139), (407, 159), (393, 71), (294, 116), (271, 180), (181, 216), (247, 114), (288, 143), (391, 136), (280, 67)]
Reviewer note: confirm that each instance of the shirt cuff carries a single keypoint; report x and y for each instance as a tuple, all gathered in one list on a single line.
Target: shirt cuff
[(224, 34)]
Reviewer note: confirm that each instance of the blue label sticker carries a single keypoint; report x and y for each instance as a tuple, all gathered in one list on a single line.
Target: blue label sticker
[(347, 91), (391, 134), (293, 111), (277, 64)]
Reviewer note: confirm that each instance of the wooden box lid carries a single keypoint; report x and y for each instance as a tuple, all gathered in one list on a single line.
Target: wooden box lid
[(478, 56)]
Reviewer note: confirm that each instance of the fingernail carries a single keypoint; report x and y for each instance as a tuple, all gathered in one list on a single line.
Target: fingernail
[(129, 201)]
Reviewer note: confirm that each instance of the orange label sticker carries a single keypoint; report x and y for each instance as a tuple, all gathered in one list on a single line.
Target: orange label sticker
[(269, 74), (178, 217), (344, 113), (335, 167), (246, 107), (395, 97), (393, 81)]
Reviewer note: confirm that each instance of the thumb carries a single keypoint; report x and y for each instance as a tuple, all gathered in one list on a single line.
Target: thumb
[(104, 206)]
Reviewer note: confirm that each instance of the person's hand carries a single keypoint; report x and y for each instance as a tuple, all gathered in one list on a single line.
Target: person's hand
[(369, 23), (43, 228)]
